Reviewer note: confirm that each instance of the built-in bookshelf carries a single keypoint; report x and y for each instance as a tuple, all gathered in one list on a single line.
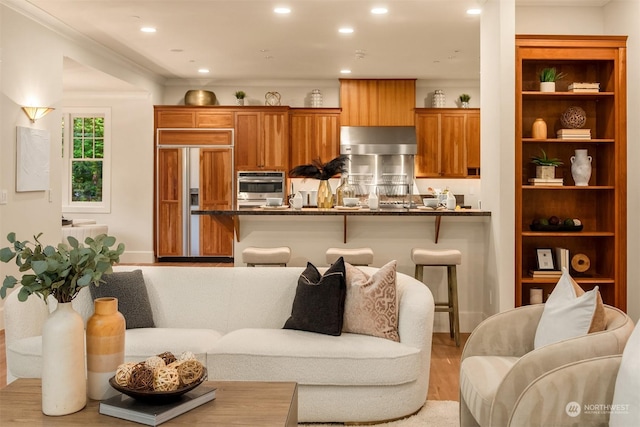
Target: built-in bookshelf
[(600, 206)]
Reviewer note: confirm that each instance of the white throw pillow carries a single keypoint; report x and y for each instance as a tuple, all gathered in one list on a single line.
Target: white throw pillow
[(565, 314), (625, 409)]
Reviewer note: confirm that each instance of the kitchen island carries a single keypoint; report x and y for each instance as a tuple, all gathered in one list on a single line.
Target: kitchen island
[(390, 233)]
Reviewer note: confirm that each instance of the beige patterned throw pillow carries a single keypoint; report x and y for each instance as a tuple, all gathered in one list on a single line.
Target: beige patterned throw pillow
[(371, 306)]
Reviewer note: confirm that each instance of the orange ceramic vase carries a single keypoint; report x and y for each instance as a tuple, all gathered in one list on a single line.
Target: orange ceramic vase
[(105, 347)]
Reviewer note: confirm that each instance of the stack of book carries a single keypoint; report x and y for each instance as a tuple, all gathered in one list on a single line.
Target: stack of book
[(584, 87), (546, 181), (574, 134), (562, 258), (545, 274), (128, 408)]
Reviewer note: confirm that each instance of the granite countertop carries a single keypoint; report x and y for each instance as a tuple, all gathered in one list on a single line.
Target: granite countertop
[(345, 211)]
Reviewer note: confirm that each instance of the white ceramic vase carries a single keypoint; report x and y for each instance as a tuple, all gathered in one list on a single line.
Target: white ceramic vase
[(64, 381), (581, 168)]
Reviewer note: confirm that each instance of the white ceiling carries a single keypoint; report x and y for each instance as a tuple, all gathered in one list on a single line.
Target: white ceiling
[(244, 39)]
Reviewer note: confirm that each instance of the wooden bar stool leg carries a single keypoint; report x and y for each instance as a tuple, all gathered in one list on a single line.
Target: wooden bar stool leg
[(453, 301)]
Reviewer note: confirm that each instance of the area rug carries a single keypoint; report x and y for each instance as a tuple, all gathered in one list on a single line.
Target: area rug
[(436, 413)]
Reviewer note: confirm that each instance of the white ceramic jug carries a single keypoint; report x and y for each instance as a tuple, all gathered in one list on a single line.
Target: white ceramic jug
[(581, 168)]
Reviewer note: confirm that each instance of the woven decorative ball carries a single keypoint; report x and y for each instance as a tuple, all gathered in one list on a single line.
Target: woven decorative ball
[(187, 355), (124, 373), (573, 117), (155, 362), (168, 357), (141, 378), (190, 371), (165, 379)]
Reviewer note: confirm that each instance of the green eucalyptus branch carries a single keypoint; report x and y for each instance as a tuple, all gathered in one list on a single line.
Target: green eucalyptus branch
[(62, 271)]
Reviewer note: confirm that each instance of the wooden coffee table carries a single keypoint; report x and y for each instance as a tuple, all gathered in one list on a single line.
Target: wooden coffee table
[(237, 403)]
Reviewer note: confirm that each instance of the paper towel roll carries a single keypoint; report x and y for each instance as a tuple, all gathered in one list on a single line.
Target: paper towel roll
[(580, 263)]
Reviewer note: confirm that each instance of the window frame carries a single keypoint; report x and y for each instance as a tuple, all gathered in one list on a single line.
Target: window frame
[(68, 205)]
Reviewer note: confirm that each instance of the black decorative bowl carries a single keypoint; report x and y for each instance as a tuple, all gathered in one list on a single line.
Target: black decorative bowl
[(559, 227), (157, 397)]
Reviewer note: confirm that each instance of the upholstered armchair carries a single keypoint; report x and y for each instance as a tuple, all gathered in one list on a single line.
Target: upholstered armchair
[(499, 362)]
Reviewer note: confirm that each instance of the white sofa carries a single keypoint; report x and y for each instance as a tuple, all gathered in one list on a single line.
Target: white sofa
[(235, 317)]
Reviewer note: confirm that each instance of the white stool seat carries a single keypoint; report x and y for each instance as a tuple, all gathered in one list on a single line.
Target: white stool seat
[(449, 258), (355, 256), (253, 256), (421, 256)]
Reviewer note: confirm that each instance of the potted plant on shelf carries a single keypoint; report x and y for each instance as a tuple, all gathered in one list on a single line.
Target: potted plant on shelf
[(464, 100), (545, 166), (240, 95), (60, 272), (548, 78)]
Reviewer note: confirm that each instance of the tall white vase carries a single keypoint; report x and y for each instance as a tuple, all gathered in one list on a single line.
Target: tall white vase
[(64, 381), (581, 168)]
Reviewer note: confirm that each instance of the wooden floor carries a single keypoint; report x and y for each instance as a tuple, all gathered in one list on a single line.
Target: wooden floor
[(445, 366)]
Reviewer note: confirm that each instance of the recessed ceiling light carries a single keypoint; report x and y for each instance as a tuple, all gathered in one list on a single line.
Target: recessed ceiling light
[(345, 30), (148, 30), (379, 10), (345, 71), (282, 10), (474, 11), (203, 70)]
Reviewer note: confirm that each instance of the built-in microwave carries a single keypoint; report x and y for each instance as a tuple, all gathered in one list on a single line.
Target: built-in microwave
[(255, 186)]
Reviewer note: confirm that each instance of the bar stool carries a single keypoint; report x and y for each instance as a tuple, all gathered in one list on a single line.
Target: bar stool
[(356, 256), (449, 258), (279, 256)]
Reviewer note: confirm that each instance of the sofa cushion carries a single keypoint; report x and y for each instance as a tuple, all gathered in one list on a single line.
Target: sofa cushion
[(313, 359), (627, 390), (319, 302), (133, 300), (141, 343), (371, 306), (27, 351), (568, 305), (480, 377)]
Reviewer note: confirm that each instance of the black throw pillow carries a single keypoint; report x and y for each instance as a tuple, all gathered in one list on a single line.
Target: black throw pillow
[(131, 291), (319, 302)]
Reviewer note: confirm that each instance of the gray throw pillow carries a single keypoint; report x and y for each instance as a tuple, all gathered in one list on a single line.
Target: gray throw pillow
[(131, 291), (319, 302)]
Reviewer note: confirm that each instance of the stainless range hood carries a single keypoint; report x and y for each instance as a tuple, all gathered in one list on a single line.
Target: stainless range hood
[(381, 158), (372, 140)]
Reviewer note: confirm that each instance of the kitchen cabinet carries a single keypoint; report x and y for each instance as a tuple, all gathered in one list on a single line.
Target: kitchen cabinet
[(601, 205), (193, 117), (262, 138), (448, 141), (377, 102), (314, 133)]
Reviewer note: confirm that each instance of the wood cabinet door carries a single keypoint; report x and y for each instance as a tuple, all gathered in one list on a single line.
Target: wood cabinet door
[(454, 148), (169, 209), (216, 174), (248, 140), (428, 137), (312, 136), (473, 143), (274, 152), (301, 139)]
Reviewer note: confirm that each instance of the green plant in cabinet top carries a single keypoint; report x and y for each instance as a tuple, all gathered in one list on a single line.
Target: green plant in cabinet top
[(544, 160), (550, 74)]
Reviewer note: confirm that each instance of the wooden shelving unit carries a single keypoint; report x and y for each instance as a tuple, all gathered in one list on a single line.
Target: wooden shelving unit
[(601, 206)]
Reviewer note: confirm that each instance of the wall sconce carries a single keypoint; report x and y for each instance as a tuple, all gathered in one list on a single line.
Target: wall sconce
[(36, 113)]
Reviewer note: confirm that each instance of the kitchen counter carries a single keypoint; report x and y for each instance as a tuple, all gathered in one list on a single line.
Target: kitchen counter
[(344, 212)]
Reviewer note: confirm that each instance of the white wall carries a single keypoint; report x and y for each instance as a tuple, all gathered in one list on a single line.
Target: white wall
[(32, 67)]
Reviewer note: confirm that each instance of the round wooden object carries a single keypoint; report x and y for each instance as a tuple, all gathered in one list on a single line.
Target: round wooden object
[(580, 263)]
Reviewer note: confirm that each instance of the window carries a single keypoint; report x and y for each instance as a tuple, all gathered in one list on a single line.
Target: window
[(86, 154)]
